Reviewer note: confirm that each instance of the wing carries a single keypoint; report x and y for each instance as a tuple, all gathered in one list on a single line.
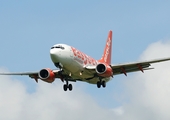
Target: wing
[(135, 66), (33, 75)]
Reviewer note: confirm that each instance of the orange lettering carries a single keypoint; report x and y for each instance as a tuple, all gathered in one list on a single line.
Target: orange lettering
[(74, 51)]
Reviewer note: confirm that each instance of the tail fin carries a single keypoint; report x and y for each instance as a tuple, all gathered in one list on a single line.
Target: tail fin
[(107, 50)]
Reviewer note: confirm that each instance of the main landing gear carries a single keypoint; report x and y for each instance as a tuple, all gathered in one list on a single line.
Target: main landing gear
[(101, 83), (67, 86)]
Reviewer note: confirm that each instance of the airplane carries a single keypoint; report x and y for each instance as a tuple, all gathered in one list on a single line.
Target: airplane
[(73, 65)]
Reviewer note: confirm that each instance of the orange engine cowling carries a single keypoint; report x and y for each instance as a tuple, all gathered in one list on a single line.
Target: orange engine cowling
[(104, 70), (46, 75)]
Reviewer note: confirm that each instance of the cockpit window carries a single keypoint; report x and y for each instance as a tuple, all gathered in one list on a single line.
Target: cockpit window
[(59, 46)]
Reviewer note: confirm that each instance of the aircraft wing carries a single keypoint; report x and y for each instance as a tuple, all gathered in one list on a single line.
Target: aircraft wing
[(30, 74), (134, 66), (21, 73)]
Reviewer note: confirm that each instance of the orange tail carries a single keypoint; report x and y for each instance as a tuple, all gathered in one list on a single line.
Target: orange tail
[(106, 58)]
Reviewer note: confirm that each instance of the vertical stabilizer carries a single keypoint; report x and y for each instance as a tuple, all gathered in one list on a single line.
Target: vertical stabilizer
[(106, 58)]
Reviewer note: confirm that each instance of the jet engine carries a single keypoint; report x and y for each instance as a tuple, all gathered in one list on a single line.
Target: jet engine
[(104, 70), (46, 75)]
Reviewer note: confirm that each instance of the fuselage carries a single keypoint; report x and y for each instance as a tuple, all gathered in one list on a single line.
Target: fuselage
[(74, 62)]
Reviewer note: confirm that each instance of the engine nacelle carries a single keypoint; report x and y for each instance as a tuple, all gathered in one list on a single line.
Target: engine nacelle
[(46, 75), (104, 70)]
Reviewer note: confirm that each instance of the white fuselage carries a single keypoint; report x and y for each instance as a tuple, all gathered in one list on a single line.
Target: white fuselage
[(74, 62)]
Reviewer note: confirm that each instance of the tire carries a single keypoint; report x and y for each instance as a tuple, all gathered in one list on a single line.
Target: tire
[(98, 84), (104, 84), (65, 87), (70, 87)]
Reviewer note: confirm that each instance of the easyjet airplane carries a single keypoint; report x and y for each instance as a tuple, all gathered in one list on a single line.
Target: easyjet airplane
[(74, 66)]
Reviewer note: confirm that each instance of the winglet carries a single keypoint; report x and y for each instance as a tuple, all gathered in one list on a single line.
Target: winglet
[(106, 58)]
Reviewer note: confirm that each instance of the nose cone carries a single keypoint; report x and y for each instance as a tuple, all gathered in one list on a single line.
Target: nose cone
[(54, 53), (60, 53)]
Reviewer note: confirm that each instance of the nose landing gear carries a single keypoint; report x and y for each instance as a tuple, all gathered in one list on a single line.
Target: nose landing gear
[(58, 65)]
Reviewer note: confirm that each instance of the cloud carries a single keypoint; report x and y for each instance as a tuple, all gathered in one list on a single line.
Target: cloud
[(48, 101), (147, 96), (149, 93)]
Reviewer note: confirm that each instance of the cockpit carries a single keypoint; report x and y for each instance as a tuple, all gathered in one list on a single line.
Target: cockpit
[(58, 46)]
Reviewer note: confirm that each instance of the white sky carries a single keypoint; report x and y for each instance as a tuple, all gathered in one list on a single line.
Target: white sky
[(140, 32)]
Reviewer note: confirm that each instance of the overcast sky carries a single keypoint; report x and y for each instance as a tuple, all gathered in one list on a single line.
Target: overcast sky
[(141, 31)]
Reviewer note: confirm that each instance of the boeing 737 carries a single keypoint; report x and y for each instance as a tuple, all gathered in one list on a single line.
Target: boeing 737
[(73, 65)]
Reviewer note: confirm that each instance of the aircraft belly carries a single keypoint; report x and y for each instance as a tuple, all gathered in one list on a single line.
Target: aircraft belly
[(95, 80), (76, 71)]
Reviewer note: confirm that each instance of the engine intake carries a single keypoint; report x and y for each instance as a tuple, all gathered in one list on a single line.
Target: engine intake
[(101, 68), (46, 75), (104, 70)]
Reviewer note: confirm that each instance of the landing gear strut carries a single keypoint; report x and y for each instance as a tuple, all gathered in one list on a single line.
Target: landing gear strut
[(67, 86), (58, 65), (101, 83)]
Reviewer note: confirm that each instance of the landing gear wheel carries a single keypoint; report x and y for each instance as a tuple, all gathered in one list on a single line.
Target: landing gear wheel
[(65, 87), (98, 84), (104, 84), (70, 87)]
